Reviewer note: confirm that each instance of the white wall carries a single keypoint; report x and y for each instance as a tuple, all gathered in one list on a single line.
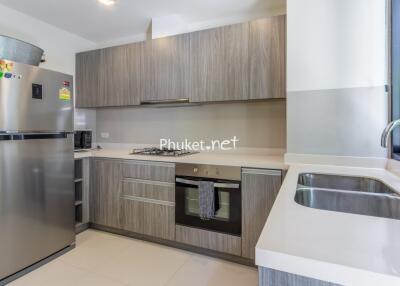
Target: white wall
[(59, 46), (336, 103), (339, 43)]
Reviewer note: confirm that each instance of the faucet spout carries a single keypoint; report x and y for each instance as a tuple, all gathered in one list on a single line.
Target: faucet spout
[(386, 133)]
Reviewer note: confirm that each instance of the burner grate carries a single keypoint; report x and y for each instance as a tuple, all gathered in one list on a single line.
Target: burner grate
[(153, 151)]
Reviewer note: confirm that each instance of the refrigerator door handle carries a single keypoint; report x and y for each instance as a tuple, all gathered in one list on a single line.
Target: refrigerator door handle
[(32, 136)]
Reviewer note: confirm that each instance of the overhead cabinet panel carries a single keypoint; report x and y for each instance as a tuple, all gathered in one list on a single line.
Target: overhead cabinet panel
[(167, 68), (267, 51), (120, 76), (238, 62), (207, 65), (136, 71), (219, 64), (236, 39), (87, 78)]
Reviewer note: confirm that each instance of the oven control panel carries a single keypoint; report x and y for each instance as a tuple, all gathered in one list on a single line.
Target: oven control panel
[(208, 171)]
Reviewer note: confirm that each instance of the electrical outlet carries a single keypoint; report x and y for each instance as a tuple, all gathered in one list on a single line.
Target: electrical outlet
[(105, 135)]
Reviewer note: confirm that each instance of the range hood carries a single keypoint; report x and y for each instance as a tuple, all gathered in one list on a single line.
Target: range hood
[(19, 51)]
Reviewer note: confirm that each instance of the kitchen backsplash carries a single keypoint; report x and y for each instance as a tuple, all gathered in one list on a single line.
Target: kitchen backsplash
[(255, 124)]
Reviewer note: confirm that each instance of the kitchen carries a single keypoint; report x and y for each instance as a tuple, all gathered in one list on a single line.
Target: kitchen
[(199, 143)]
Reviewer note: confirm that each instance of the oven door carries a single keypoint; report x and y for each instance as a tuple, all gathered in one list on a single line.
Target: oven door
[(228, 209)]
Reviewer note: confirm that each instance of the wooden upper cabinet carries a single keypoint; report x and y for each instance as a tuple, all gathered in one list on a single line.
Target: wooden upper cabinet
[(238, 62), (167, 68), (87, 78), (114, 77), (136, 70), (267, 51), (121, 75), (110, 77), (219, 64)]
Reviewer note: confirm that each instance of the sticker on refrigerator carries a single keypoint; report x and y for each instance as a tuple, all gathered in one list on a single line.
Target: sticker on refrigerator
[(2, 65), (64, 94), (6, 66)]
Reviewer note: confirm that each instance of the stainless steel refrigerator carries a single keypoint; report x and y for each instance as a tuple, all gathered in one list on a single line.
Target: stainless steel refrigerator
[(36, 165)]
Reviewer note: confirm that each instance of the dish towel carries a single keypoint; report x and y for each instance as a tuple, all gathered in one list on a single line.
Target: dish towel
[(206, 200)]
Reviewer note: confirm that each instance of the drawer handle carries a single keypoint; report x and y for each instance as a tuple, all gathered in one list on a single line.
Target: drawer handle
[(148, 182), (146, 200), (216, 185)]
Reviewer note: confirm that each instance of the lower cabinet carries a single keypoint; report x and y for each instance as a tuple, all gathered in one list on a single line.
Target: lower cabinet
[(209, 239), (140, 197), (159, 220), (154, 219), (105, 192), (131, 215), (259, 190), (148, 199)]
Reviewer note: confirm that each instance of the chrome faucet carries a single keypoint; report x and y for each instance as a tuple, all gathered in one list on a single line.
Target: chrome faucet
[(386, 133)]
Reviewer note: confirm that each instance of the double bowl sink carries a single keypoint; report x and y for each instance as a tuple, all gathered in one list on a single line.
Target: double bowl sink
[(356, 195)]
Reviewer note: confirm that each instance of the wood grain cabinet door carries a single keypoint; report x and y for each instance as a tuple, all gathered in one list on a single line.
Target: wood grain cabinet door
[(259, 190), (105, 193), (219, 64), (267, 55), (132, 212), (149, 217), (159, 220), (87, 79), (118, 87), (136, 71), (167, 68)]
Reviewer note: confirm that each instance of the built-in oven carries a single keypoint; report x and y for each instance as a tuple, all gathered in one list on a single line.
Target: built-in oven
[(226, 182)]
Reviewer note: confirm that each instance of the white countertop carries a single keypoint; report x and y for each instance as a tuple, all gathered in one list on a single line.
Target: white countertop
[(240, 159), (342, 248)]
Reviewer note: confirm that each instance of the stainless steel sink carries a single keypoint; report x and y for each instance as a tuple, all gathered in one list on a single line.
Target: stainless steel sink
[(357, 195)]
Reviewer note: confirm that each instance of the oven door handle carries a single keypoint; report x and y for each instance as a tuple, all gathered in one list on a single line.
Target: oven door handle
[(216, 185)]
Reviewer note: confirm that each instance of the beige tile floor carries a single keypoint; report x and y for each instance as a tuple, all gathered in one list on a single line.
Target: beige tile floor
[(104, 259)]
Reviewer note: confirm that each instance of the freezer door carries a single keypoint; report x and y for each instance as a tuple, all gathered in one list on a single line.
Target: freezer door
[(36, 198), (34, 99)]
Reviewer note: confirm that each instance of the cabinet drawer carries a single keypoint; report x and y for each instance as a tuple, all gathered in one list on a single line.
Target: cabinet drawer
[(132, 215), (208, 239), (159, 221), (155, 171), (155, 190), (145, 217)]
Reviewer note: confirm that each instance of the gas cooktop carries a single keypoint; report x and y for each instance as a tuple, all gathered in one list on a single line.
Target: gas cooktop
[(154, 151)]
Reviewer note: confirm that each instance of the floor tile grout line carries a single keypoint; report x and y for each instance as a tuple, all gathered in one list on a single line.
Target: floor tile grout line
[(93, 272), (120, 252), (183, 264), (106, 277), (173, 274)]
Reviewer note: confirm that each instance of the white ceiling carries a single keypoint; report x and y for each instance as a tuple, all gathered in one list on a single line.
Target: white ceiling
[(128, 18)]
